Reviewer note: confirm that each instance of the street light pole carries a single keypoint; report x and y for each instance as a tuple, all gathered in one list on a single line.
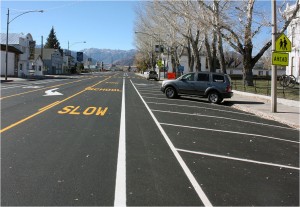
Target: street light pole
[(75, 43), (7, 26), (6, 50)]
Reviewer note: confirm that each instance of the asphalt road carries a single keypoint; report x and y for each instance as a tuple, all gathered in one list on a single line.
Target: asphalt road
[(114, 139)]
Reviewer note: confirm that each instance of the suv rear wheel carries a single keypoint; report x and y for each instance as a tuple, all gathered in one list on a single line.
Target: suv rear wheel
[(170, 92), (214, 97)]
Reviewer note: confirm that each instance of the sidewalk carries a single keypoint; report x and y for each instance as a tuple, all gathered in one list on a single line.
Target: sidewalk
[(288, 111)]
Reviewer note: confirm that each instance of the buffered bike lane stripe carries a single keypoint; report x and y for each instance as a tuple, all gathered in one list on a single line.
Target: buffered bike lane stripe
[(42, 110), (187, 171), (18, 94), (120, 188)]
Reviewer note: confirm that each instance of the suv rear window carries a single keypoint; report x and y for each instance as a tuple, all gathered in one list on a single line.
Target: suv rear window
[(152, 72), (218, 78)]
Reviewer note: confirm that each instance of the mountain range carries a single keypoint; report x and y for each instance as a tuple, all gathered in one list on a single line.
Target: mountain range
[(108, 56)]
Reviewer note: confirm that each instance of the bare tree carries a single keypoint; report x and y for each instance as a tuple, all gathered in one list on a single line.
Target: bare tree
[(241, 27)]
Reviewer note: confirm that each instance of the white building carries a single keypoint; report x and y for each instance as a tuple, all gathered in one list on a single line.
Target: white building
[(293, 33), (13, 55), (53, 60), (26, 45), (37, 66)]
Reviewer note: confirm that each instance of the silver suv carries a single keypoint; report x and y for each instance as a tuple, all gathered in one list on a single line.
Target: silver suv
[(152, 75), (214, 86)]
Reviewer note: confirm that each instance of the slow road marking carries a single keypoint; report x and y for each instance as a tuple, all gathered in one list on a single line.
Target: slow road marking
[(76, 110)]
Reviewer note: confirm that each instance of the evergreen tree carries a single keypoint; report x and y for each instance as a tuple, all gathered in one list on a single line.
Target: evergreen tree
[(52, 41)]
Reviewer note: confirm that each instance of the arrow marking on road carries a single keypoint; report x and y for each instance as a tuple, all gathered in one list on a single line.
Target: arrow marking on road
[(52, 92)]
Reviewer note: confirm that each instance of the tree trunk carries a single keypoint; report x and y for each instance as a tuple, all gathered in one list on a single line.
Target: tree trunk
[(196, 56), (248, 76), (208, 52), (248, 66), (214, 51), (190, 57), (220, 41), (221, 54)]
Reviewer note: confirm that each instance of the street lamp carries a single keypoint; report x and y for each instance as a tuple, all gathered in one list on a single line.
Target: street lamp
[(8, 22), (75, 43)]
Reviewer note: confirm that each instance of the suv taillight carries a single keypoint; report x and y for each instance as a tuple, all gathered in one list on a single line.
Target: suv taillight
[(228, 88)]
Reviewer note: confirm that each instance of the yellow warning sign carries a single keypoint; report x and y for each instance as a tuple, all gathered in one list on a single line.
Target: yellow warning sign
[(283, 44), (279, 58)]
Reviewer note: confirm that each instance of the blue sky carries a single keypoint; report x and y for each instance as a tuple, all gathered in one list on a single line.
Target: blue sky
[(102, 24)]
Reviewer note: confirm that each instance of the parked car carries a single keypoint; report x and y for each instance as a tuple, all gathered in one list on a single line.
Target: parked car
[(152, 75), (214, 86)]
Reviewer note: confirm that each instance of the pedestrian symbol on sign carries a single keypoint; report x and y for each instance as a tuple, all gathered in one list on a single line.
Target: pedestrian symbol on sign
[(283, 44)]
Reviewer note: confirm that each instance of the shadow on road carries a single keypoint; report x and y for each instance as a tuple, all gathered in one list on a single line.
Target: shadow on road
[(226, 102), (231, 103)]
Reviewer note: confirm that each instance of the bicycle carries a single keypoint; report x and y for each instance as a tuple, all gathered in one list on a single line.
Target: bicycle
[(287, 81)]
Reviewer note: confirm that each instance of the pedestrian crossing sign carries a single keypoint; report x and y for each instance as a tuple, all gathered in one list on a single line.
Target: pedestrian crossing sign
[(283, 44)]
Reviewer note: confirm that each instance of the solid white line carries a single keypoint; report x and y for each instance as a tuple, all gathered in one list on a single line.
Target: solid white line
[(239, 159), (231, 132), (185, 168), (199, 107), (12, 86), (120, 190), (220, 117), (152, 94)]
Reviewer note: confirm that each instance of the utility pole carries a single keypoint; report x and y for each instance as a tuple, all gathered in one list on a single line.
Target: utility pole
[(6, 54), (274, 67)]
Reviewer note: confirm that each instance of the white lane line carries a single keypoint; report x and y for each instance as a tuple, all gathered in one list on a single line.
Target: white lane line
[(231, 132), (239, 159), (198, 107), (11, 86), (220, 117), (185, 168), (143, 93), (120, 190)]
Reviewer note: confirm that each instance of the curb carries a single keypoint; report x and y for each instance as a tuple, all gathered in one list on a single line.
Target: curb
[(268, 98), (266, 116)]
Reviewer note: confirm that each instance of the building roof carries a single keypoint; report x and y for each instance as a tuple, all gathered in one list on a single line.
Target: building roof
[(14, 38), (10, 49)]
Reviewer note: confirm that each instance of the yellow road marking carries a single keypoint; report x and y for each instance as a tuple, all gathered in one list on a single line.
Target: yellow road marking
[(103, 89), (47, 108), (75, 110)]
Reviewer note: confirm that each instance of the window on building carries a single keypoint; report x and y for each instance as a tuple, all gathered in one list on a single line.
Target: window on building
[(21, 67), (260, 73), (40, 68)]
